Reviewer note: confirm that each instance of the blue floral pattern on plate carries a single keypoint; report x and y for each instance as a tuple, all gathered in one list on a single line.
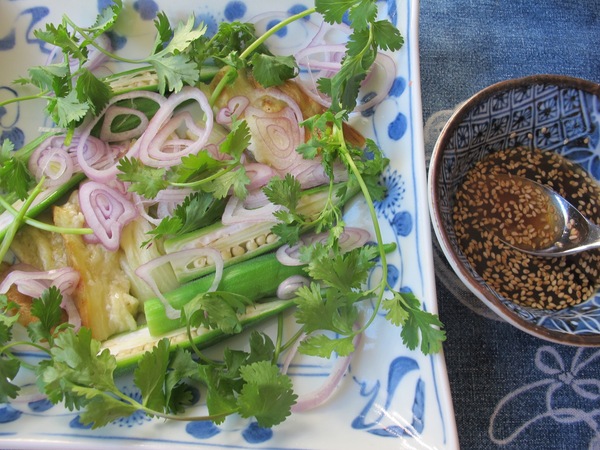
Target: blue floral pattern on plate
[(392, 397)]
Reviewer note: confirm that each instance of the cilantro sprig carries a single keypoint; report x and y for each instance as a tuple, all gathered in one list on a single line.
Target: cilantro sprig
[(197, 171), (330, 314), (72, 91), (82, 376), (369, 35)]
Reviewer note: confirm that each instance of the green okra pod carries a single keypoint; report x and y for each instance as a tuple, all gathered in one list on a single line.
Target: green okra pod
[(254, 279)]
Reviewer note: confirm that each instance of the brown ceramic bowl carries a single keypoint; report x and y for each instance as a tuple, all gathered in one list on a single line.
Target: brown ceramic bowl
[(548, 112)]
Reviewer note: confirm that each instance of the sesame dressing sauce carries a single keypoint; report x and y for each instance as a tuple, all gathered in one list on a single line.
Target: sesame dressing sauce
[(492, 206)]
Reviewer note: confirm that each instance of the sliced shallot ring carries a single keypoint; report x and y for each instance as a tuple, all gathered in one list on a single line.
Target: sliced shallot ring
[(109, 172), (382, 82), (235, 107), (259, 175), (288, 287), (168, 199), (114, 111), (56, 165), (106, 211), (276, 135), (154, 138), (34, 283)]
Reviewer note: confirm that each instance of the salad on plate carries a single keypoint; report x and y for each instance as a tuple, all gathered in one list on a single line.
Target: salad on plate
[(201, 190)]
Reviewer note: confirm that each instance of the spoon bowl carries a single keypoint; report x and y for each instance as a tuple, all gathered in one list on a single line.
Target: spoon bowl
[(554, 114), (576, 233)]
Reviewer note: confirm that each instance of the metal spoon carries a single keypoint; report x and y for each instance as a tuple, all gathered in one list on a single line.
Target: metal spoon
[(578, 233)]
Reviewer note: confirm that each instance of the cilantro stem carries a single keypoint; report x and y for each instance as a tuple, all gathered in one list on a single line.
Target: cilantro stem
[(271, 31), (92, 41), (29, 343), (14, 226), (292, 340), (42, 225), (152, 412), (214, 176), (40, 94), (376, 228), (279, 338), (195, 348)]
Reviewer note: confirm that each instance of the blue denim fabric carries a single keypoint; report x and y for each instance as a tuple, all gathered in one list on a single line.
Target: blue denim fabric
[(510, 390)]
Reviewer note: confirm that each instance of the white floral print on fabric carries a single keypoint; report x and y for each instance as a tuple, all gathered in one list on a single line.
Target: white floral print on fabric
[(564, 395)]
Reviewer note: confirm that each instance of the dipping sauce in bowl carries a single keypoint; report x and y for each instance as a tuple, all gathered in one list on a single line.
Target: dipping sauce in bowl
[(541, 127), (493, 208)]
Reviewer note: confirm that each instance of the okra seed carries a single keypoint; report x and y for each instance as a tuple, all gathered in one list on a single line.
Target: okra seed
[(199, 262), (261, 240), (251, 245), (237, 250), (271, 238)]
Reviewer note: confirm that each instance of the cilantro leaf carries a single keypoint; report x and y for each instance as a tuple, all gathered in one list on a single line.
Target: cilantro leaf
[(14, 174), (323, 346), (273, 70), (332, 310), (404, 310), (173, 71), (44, 77), (92, 91), (9, 367), (221, 398), (344, 271), (150, 375), (68, 109), (362, 14), (267, 394), (102, 409), (172, 66), (164, 32), (221, 186), (49, 312), (145, 180), (285, 192), (76, 361), (237, 140), (333, 11), (107, 17), (60, 36), (195, 165), (8, 317), (183, 35), (224, 382), (368, 35), (216, 310), (181, 367), (387, 36), (224, 48), (289, 233), (198, 210)]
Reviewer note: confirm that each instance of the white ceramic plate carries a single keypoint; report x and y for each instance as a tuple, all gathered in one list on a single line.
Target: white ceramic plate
[(392, 398)]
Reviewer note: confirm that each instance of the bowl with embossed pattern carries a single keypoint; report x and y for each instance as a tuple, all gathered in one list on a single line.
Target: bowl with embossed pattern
[(545, 128)]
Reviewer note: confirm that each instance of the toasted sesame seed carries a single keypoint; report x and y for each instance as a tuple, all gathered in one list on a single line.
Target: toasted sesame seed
[(490, 205)]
